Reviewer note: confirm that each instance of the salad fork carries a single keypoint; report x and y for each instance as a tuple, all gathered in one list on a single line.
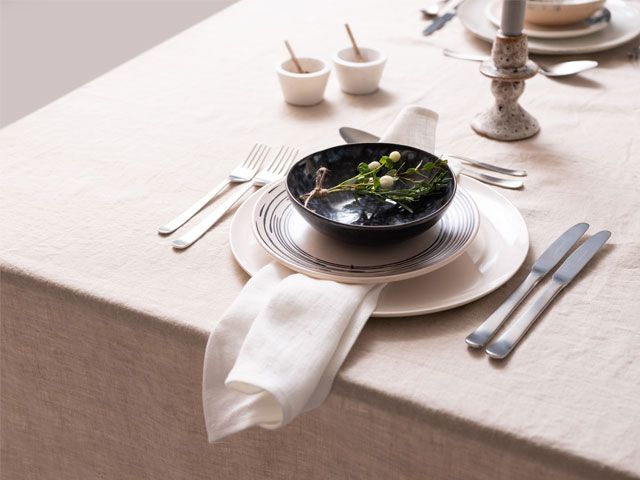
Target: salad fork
[(275, 170), (240, 174)]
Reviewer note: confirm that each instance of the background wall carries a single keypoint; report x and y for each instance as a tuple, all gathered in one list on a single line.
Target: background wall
[(50, 47)]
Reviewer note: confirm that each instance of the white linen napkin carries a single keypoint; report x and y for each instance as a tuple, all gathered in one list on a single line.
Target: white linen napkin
[(277, 348)]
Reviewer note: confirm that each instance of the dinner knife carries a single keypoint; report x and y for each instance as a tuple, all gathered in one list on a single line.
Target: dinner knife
[(545, 263), (440, 21), (563, 276)]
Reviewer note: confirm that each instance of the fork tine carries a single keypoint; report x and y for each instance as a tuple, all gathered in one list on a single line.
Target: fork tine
[(277, 167), (273, 165), (294, 156), (275, 160), (258, 158), (263, 157), (292, 153), (247, 160), (255, 155)]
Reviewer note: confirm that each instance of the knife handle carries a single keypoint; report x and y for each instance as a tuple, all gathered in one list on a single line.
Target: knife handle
[(438, 23), (481, 335), (509, 339)]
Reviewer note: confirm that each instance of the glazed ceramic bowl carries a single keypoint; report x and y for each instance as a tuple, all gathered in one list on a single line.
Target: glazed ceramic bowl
[(560, 12), (303, 89), (363, 220)]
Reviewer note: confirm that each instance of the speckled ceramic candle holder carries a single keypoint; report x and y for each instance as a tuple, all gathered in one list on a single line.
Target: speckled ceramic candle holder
[(508, 68)]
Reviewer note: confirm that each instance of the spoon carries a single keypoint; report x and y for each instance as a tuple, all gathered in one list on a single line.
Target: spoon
[(431, 11), (562, 69)]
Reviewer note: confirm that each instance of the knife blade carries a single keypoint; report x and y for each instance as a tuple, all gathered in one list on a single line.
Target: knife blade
[(440, 21), (563, 276), (545, 263)]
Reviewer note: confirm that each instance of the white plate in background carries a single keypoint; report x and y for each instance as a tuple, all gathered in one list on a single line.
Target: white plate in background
[(624, 26)]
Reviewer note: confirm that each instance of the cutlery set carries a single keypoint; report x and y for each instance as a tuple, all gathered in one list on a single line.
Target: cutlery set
[(503, 346), (353, 135), (255, 171)]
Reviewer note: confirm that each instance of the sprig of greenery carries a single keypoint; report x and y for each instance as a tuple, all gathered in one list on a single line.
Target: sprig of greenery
[(387, 183)]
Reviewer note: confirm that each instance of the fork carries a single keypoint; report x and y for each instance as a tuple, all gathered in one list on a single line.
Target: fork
[(240, 174), (276, 169)]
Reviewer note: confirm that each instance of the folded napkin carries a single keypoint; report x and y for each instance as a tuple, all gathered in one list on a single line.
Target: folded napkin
[(276, 350)]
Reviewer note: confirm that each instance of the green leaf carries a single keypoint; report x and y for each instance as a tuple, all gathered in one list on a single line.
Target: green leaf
[(363, 167), (410, 171), (392, 173), (376, 183), (428, 166), (386, 161)]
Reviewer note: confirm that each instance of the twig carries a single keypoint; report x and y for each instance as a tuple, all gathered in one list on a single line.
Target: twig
[(318, 190), (294, 59), (354, 44)]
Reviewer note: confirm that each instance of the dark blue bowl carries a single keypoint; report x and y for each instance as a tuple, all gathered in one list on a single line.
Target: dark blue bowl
[(365, 220)]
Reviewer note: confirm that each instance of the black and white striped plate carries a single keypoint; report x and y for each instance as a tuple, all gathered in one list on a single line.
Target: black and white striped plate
[(287, 237)]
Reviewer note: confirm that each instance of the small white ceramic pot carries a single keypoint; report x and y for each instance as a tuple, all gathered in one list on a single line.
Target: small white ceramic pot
[(359, 78), (303, 89)]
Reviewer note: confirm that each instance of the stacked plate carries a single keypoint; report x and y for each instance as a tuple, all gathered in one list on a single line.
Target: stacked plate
[(616, 23), (479, 243)]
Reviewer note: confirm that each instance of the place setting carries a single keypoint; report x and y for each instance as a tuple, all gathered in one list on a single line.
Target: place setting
[(377, 226), (394, 229)]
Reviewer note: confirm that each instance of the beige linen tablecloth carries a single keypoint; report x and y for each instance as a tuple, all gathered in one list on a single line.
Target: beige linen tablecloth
[(104, 325)]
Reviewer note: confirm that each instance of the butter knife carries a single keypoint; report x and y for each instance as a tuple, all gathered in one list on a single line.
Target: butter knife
[(439, 22), (565, 274), (547, 262)]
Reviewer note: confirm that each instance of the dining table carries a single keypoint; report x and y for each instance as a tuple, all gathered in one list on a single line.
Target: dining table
[(104, 325)]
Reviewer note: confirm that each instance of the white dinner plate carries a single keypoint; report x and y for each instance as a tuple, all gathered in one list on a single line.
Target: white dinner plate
[(598, 21), (291, 240), (494, 256), (623, 27)]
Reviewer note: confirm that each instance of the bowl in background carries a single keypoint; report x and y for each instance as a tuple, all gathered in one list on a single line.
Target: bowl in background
[(560, 12), (365, 221)]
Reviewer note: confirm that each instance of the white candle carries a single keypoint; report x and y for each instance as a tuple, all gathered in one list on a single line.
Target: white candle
[(512, 17)]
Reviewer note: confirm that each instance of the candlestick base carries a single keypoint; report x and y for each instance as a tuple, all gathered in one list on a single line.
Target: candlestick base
[(508, 68)]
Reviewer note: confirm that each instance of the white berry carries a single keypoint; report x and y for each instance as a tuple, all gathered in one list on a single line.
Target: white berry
[(394, 156), (386, 182), (373, 165)]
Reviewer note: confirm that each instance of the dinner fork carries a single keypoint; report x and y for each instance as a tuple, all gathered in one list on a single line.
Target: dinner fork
[(275, 170), (240, 174)]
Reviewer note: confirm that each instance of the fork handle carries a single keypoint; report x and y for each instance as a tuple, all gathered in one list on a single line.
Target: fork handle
[(184, 217), (210, 220)]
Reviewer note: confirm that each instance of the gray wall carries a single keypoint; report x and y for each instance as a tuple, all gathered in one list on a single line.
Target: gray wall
[(50, 47)]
